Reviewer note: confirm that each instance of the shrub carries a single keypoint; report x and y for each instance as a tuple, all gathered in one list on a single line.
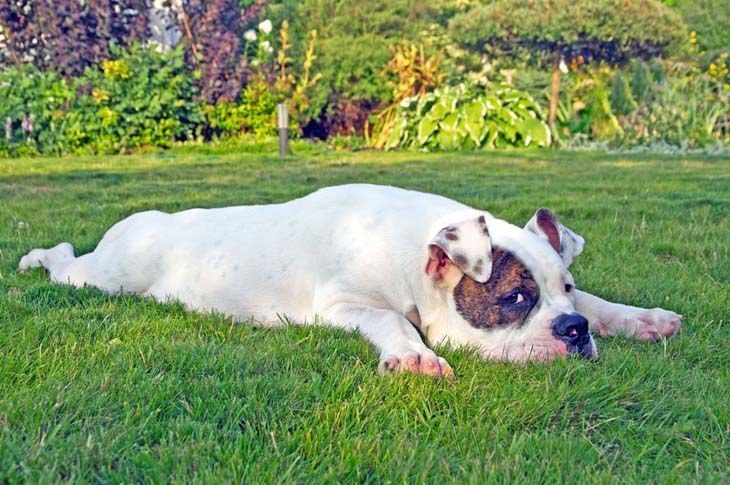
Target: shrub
[(254, 114), (709, 19), (140, 97), (683, 107), (32, 110), (275, 79), (452, 118), (353, 47), (622, 100), (641, 82), (69, 35), (294, 84), (212, 32), (342, 118), (565, 29)]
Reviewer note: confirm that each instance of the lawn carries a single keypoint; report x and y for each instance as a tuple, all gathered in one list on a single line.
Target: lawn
[(118, 389)]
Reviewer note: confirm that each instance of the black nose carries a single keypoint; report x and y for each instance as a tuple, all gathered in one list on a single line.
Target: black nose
[(571, 328)]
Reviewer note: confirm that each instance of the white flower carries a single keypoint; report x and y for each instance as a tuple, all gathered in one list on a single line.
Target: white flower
[(562, 66), (485, 62), (267, 46), (266, 26), (250, 35)]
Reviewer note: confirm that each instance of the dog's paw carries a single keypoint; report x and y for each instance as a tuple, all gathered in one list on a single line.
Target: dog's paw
[(656, 323), (644, 325), (424, 362)]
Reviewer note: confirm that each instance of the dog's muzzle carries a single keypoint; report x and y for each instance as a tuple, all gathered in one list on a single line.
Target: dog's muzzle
[(572, 328)]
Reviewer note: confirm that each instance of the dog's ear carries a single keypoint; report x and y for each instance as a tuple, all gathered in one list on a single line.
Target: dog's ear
[(547, 225), (458, 249)]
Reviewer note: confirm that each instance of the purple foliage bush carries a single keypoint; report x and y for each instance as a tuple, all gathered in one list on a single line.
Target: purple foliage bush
[(68, 35), (212, 33)]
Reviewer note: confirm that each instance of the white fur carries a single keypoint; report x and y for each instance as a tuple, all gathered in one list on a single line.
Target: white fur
[(353, 256)]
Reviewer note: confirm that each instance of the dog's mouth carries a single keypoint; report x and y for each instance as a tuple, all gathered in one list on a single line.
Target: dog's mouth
[(584, 347), (546, 351)]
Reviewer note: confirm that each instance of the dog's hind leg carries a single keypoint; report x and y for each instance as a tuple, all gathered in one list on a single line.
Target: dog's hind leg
[(64, 267), (55, 259)]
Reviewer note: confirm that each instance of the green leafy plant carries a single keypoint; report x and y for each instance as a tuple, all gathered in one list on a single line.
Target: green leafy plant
[(562, 30), (276, 79), (641, 82), (254, 114), (354, 38), (461, 117), (622, 99), (416, 75), (294, 86), (708, 22), (685, 106), (679, 106), (32, 109), (591, 105), (140, 97)]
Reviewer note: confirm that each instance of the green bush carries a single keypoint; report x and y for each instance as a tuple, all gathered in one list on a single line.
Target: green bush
[(710, 19), (39, 98), (461, 117), (683, 107), (622, 99), (139, 98), (641, 82), (353, 45), (254, 114), (592, 28)]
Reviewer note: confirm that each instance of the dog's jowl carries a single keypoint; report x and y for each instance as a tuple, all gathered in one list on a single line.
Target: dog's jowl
[(381, 260)]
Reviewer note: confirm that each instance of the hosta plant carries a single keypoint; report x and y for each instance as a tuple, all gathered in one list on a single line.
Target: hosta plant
[(460, 117)]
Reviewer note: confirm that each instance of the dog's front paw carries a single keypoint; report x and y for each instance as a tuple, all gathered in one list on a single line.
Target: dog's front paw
[(644, 325), (415, 362)]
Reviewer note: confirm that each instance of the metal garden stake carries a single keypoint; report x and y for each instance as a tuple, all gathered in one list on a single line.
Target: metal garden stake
[(283, 125)]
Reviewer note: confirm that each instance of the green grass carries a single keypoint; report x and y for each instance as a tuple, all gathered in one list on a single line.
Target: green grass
[(118, 389)]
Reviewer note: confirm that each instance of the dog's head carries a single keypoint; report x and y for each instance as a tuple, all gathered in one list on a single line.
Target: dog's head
[(507, 289)]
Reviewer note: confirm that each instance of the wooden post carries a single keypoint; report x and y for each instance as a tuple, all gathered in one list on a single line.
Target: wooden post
[(554, 91), (283, 126)]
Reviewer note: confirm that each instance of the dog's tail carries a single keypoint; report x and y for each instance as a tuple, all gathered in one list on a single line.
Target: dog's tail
[(54, 260)]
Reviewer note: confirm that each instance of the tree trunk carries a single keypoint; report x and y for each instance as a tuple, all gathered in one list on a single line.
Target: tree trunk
[(554, 91)]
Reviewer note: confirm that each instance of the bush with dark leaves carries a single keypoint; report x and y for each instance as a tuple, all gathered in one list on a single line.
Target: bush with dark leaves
[(68, 35)]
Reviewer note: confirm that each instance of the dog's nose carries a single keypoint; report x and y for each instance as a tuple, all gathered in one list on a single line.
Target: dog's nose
[(571, 327)]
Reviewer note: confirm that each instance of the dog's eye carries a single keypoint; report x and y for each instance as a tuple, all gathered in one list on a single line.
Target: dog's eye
[(569, 288), (514, 298)]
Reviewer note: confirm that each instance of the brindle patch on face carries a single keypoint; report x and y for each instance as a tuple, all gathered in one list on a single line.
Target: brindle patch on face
[(487, 305)]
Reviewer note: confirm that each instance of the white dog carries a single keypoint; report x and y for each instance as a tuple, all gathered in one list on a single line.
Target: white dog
[(396, 265)]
